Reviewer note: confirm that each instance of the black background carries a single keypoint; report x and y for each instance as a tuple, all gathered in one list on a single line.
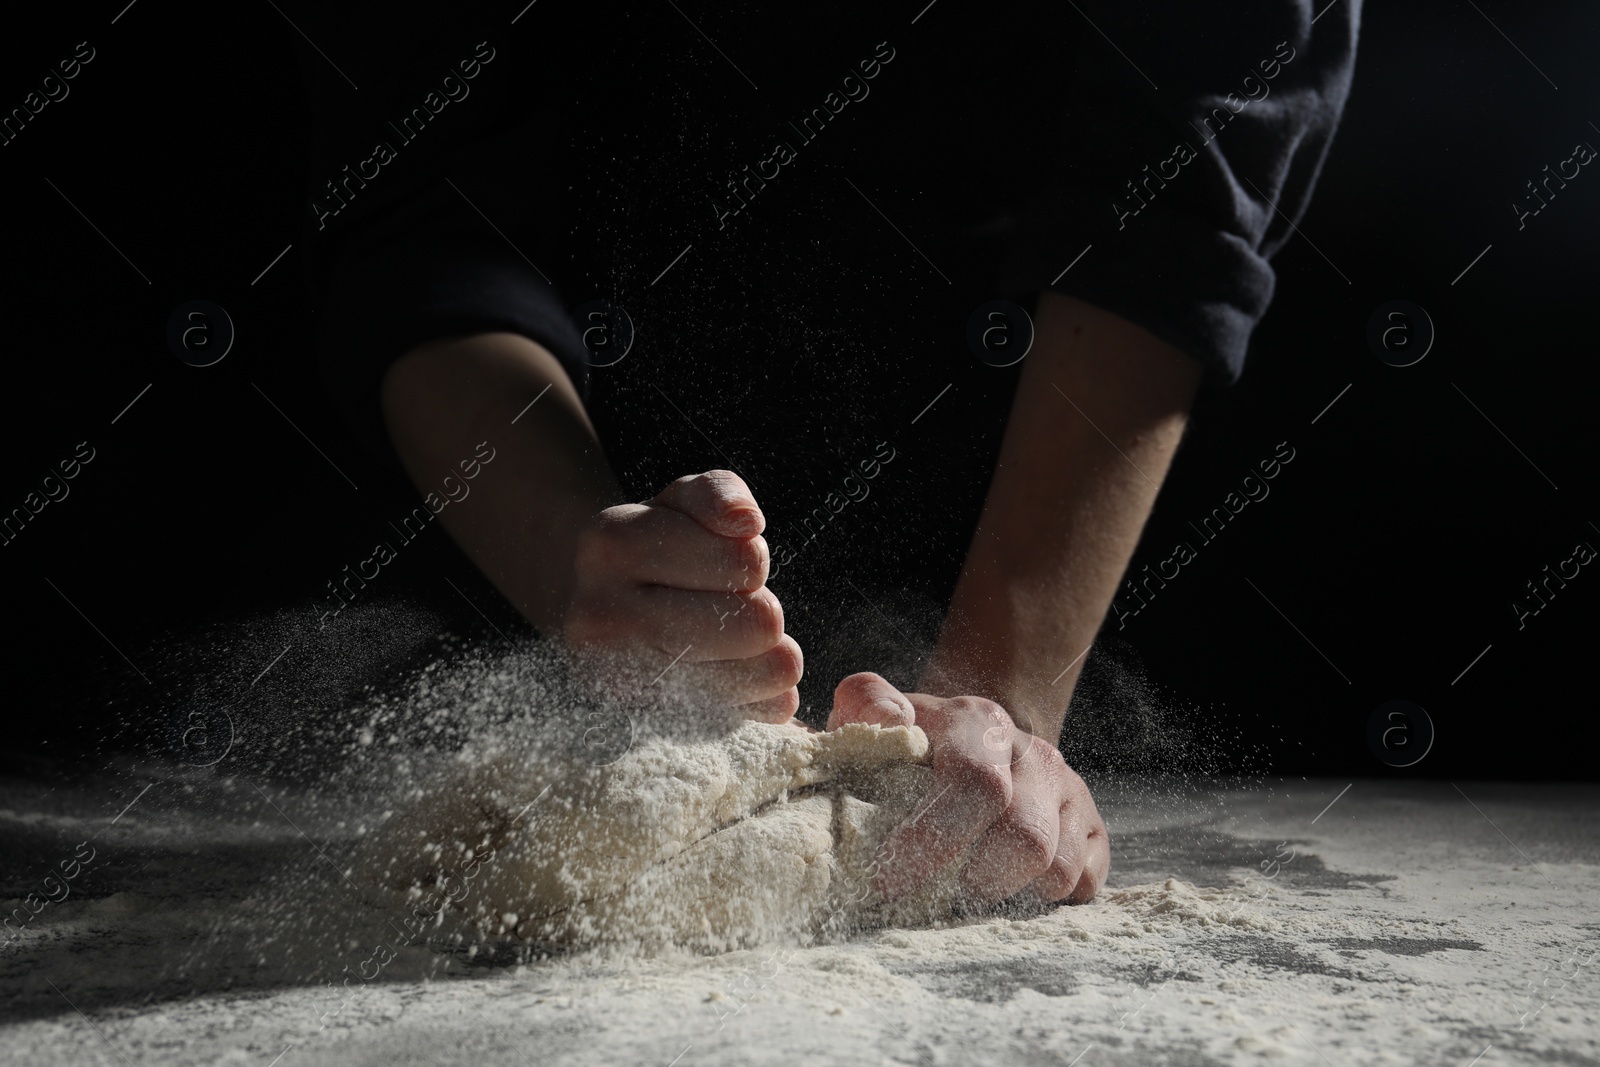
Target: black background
[(192, 549)]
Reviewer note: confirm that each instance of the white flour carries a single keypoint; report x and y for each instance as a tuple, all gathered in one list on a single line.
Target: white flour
[(230, 914), (715, 837), (210, 928)]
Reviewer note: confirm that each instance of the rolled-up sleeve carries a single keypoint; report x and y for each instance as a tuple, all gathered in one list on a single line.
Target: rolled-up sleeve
[(422, 272), (1189, 147)]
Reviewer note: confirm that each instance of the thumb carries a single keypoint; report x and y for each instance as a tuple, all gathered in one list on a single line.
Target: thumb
[(867, 698), (718, 500)]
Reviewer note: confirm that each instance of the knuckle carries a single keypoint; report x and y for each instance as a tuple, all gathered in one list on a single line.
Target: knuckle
[(1086, 889), (1057, 882), (1044, 759), (605, 540), (1076, 791), (685, 482), (1033, 845), (982, 706), (621, 514), (779, 709), (1074, 780), (860, 683), (750, 558), (720, 481), (786, 663), (988, 787), (763, 617), (1043, 751), (987, 710)]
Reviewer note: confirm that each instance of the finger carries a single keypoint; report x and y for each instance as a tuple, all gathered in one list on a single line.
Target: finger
[(751, 679), (1083, 852), (661, 546), (967, 796), (709, 626), (718, 501), (981, 728), (780, 709), (1022, 844), (1095, 870), (867, 698)]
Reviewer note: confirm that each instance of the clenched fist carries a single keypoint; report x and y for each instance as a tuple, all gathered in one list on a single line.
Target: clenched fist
[(677, 584), (1002, 797)]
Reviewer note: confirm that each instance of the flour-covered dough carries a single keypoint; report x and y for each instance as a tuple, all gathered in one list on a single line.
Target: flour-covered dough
[(738, 835)]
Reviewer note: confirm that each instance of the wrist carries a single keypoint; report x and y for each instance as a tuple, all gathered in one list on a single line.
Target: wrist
[(1033, 704), (549, 479)]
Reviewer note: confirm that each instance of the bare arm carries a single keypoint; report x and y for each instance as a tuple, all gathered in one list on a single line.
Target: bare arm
[(1096, 420), (548, 479), (682, 576)]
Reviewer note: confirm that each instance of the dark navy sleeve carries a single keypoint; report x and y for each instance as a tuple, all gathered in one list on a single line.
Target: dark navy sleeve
[(1189, 147), (434, 193), (419, 273)]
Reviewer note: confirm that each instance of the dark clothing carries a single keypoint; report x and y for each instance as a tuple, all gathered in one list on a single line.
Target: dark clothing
[(1180, 148), (799, 221), (420, 273), (401, 256), (1181, 248)]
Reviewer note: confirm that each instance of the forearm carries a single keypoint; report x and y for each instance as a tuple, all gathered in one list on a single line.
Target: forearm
[(521, 523), (1098, 414)]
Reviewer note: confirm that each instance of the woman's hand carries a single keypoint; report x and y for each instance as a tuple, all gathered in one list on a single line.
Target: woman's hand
[(1000, 796)]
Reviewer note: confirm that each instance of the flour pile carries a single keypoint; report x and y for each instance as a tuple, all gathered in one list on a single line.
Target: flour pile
[(713, 836)]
